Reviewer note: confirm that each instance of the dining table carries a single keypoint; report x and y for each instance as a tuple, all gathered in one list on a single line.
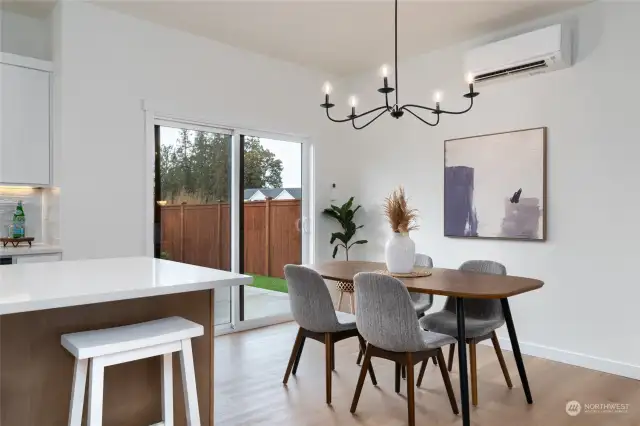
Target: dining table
[(459, 285)]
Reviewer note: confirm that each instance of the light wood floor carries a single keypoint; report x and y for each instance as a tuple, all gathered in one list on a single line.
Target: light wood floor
[(249, 389)]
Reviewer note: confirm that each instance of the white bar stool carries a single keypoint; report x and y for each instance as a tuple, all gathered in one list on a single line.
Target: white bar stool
[(118, 345)]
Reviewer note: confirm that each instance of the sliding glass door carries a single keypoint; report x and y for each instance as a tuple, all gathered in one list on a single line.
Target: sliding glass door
[(237, 201), (273, 226), (192, 200)]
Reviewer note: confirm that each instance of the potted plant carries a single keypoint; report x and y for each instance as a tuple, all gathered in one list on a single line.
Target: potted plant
[(344, 215), (400, 250)]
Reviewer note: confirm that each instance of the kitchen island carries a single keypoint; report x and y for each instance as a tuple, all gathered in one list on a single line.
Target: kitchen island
[(40, 302)]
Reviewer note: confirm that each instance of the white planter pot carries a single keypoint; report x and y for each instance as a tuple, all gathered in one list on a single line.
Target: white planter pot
[(400, 253)]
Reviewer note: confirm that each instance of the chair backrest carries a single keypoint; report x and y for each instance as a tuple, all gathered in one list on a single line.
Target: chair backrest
[(423, 260), (385, 316), (480, 308), (310, 300)]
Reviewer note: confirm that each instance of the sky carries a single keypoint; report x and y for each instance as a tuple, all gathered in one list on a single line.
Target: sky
[(290, 153)]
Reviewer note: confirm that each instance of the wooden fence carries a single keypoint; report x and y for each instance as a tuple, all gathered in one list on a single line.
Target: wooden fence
[(199, 234)]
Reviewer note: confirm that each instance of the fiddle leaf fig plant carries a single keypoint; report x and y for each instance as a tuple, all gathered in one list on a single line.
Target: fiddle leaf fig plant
[(344, 215)]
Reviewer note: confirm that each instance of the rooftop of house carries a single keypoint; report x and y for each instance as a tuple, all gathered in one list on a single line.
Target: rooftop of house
[(296, 193)]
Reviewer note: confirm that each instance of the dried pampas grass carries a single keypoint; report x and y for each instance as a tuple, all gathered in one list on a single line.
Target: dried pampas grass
[(401, 218)]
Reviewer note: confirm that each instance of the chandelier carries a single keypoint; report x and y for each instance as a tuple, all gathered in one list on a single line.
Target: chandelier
[(395, 110)]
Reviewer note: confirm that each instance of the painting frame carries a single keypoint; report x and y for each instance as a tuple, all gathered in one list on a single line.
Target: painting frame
[(544, 210)]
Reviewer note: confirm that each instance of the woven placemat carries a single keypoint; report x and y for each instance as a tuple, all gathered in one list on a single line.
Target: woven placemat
[(416, 273)]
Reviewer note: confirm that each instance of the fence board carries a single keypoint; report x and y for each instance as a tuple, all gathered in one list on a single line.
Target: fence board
[(286, 244), (200, 235)]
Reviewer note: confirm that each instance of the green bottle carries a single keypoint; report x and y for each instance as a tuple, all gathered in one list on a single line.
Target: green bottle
[(18, 221)]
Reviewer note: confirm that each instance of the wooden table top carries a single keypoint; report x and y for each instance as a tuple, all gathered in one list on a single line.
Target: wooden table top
[(445, 282)]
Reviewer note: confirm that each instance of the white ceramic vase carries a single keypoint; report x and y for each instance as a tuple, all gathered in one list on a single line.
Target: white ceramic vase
[(400, 253)]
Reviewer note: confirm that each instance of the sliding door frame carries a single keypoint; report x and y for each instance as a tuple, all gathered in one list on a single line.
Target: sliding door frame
[(152, 119)]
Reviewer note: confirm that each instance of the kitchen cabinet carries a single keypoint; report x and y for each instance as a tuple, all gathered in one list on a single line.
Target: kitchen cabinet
[(25, 110)]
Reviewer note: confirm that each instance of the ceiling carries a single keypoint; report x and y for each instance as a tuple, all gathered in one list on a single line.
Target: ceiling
[(340, 37)]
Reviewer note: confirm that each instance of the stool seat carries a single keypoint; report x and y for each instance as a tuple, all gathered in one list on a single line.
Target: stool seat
[(94, 343)]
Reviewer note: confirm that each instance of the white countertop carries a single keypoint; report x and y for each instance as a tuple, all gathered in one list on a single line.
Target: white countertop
[(24, 249), (36, 286)]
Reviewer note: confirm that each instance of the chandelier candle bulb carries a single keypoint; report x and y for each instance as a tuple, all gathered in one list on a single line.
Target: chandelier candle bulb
[(327, 88), (384, 71)]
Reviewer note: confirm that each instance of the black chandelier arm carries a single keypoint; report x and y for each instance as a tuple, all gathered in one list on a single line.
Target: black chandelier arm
[(351, 118), (420, 118), (459, 112), (353, 122), (440, 111)]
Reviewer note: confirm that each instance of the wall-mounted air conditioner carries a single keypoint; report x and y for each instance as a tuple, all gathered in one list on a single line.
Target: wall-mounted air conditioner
[(537, 52)]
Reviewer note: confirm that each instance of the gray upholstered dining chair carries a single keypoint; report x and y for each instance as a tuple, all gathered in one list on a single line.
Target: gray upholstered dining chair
[(313, 310), (387, 320), (422, 302), (482, 318)]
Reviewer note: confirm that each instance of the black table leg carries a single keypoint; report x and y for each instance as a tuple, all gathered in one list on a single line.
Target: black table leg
[(516, 349), (462, 363)]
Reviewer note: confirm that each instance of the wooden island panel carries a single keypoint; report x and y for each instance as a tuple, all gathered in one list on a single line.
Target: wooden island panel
[(36, 371)]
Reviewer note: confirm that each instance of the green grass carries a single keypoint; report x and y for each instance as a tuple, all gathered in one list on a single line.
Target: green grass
[(269, 283)]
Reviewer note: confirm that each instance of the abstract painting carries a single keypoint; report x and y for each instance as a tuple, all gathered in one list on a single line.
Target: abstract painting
[(494, 186)]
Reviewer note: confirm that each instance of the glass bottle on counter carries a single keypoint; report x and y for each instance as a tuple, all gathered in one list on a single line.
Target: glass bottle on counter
[(18, 221)]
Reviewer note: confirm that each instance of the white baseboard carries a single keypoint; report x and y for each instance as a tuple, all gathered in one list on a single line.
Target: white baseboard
[(574, 358)]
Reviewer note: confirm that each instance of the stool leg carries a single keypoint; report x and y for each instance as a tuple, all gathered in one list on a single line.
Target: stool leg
[(189, 384), (77, 392), (167, 389), (96, 388)]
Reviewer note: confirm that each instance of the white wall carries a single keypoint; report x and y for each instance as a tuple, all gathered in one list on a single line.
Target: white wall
[(26, 36), (587, 312), (105, 65)]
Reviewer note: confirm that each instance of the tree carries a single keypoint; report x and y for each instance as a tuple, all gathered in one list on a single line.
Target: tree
[(261, 167), (197, 167)]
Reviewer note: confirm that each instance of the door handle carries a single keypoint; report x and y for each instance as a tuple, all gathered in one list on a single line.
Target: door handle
[(298, 221)]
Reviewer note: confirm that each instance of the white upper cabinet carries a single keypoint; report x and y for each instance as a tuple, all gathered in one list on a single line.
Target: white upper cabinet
[(24, 123)]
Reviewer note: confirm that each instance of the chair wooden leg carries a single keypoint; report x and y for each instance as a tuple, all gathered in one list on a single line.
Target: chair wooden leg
[(360, 355), (351, 304), (397, 387), (447, 382), (435, 360), (452, 351), (298, 356), (366, 363), (340, 301), (363, 348), (294, 354), (328, 345), (333, 356), (423, 368), (474, 374), (404, 372), (503, 365), (411, 404)]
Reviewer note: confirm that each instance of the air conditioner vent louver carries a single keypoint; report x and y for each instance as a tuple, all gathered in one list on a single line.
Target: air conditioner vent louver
[(511, 71)]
